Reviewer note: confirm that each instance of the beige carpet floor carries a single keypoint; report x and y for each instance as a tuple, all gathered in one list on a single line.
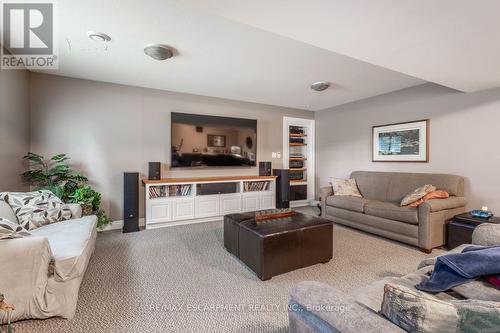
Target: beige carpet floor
[(181, 279)]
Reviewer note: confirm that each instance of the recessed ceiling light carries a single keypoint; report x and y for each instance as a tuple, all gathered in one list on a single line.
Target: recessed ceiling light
[(158, 51), (320, 85), (98, 36)]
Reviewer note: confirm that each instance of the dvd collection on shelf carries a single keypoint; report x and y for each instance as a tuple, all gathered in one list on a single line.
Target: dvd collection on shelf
[(298, 130), (255, 186), (169, 191), (297, 152)]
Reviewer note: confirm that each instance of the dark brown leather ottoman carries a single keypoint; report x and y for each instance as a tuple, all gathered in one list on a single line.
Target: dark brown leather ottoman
[(278, 246)]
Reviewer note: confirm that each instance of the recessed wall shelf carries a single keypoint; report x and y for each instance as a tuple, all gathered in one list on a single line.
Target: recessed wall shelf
[(298, 142)]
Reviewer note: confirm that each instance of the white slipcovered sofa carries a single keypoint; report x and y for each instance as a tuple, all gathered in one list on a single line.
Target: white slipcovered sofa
[(41, 274)]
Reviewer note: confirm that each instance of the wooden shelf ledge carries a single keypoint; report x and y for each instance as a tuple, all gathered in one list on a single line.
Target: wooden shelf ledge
[(206, 179)]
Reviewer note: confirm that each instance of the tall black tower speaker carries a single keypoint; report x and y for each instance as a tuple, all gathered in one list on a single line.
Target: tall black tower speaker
[(282, 188), (264, 168), (154, 170), (130, 201)]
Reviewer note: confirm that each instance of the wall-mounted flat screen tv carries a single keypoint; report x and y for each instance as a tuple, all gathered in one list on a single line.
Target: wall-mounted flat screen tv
[(209, 141)]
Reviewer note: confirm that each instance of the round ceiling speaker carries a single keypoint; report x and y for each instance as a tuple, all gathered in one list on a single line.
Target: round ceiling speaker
[(158, 51), (98, 36), (320, 85)]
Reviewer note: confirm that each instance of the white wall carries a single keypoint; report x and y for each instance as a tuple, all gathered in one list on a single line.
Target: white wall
[(14, 128), (107, 129), (464, 138)]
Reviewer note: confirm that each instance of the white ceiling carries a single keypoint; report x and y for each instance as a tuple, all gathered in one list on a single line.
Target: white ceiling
[(455, 43), (216, 56)]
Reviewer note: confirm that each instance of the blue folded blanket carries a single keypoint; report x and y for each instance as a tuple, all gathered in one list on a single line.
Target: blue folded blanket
[(455, 269)]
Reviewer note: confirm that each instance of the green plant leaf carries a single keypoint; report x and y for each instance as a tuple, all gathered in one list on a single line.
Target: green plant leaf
[(34, 158), (59, 158), (35, 175), (102, 219), (61, 169), (57, 176)]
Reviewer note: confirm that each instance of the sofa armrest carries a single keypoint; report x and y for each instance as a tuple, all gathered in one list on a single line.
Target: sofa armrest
[(432, 218), (486, 234), (25, 271), (76, 210), (324, 193), (337, 309), (437, 205)]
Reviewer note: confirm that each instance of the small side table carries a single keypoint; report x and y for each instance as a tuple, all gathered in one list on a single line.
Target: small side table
[(459, 229)]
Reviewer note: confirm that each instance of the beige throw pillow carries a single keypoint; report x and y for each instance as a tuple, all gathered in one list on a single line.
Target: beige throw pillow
[(345, 187), (418, 194), (415, 311), (38, 208), (9, 230)]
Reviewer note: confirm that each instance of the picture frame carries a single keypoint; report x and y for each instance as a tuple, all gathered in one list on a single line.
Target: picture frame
[(216, 140), (401, 142)]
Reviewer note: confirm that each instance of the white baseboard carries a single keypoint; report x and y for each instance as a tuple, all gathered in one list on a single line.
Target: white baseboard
[(184, 222), (118, 224), (302, 203)]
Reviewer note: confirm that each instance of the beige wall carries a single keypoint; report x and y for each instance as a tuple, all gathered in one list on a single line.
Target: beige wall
[(14, 128), (464, 139), (108, 129)]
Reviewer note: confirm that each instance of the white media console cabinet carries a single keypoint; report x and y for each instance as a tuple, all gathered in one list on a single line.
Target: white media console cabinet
[(174, 201)]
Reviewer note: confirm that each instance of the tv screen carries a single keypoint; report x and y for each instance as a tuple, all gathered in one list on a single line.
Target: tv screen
[(207, 141)]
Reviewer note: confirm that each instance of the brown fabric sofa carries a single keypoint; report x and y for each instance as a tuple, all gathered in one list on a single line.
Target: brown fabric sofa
[(379, 211)]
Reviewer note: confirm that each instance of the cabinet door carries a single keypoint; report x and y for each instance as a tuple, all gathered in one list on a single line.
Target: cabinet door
[(183, 208), (267, 201), (250, 202), (159, 210), (207, 206), (230, 203)]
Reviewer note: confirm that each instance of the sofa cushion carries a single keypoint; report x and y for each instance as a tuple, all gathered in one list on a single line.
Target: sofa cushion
[(68, 242), (373, 294), (478, 290), (373, 185), (34, 209), (403, 183), (356, 204), (337, 309), (392, 211), (416, 311)]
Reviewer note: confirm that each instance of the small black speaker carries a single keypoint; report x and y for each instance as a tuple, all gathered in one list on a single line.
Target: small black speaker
[(154, 171), (282, 188), (265, 168), (130, 201)]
